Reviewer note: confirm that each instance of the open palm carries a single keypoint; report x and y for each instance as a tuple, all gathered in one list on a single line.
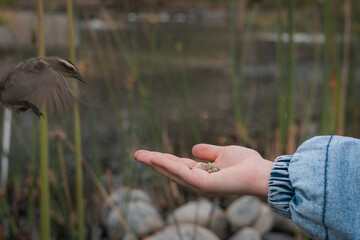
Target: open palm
[(242, 170)]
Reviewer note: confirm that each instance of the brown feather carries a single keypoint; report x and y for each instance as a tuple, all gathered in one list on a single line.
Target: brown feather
[(40, 81)]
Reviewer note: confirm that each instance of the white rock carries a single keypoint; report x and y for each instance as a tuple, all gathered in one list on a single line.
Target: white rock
[(135, 207), (246, 233), (243, 211), (141, 217), (266, 219), (184, 231), (204, 213), (122, 197), (127, 194)]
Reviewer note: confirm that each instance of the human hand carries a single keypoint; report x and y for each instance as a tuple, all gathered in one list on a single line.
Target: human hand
[(242, 170)]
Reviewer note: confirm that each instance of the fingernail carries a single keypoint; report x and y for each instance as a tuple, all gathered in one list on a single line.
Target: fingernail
[(137, 155)]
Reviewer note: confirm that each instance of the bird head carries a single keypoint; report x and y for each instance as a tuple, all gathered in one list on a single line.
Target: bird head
[(66, 67)]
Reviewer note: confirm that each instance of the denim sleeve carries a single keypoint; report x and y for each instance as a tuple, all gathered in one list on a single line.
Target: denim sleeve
[(319, 187)]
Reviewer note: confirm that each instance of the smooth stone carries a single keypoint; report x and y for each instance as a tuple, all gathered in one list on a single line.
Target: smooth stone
[(141, 217), (243, 211), (277, 236), (126, 194), (246, 233), (199, 212), (122, 197), (266, 219), (188, 231)]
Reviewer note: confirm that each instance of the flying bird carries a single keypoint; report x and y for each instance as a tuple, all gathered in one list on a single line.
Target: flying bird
[(38, 82)]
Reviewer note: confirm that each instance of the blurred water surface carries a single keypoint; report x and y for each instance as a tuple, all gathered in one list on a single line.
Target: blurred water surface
[(166, 74)]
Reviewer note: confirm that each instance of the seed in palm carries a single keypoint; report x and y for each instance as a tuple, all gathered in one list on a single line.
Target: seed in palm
[(39, 82)]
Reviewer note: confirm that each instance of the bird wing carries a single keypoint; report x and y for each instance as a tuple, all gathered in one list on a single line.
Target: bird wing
[(35, 82)]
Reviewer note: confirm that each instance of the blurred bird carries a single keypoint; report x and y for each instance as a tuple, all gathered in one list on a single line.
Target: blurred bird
[(38, 82)]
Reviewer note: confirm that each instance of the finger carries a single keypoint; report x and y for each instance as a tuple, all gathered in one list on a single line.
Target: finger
[(174, 178), (187, 161), (196, 178), (145, 157), (207, 151)]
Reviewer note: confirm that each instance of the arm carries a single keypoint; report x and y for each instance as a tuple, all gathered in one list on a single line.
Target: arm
[(319, 187), (242, 170)]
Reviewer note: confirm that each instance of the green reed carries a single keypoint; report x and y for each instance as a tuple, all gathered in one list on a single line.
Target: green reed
[(77, 131), (69, 207), (290, 81), (352, 110), (237, 27), (246, 48), (352, 99), (6, 211), (331, 96), (45, 221), (33, 177), (93, 136), (345, 69), (281, 78), (241, 24), (314, 85), (286, 62)]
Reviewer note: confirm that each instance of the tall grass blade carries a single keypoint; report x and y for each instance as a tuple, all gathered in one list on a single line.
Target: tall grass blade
[(281, 79), (310, 104), (331, 96), (238, 9), (44, 180), (345, 69), (7, 211), (33, 177), (65, 183), (45, 226), (77, 131), (290, 148), (109, 201), (5, 148)]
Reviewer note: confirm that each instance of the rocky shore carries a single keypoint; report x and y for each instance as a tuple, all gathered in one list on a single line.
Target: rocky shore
[(245, 218)]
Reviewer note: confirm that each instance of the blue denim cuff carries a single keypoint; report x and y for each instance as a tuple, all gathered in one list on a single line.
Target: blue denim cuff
[(280, 190)]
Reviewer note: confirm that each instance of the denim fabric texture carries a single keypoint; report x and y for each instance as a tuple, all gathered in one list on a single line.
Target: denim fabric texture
[(319, 187)]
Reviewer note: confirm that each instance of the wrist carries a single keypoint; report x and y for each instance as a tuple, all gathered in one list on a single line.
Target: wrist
[(260, 180)]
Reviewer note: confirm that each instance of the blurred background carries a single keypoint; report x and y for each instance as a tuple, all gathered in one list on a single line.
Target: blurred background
[(165, 75)]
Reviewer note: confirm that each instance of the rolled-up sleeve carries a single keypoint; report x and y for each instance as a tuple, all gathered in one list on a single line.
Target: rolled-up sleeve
[(319, 187)]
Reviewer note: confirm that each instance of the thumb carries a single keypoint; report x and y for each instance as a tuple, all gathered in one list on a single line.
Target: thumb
[(206, 151)]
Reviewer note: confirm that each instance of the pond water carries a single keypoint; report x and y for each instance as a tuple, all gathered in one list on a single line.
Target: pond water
[(186, 70), (171, 77)]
